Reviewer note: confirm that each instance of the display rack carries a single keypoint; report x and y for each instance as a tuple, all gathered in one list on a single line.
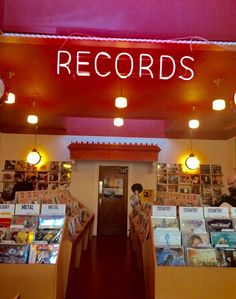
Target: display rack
[(168, 282), (48, 281)]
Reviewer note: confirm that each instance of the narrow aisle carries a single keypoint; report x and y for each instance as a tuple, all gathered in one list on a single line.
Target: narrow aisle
[(108, 270)]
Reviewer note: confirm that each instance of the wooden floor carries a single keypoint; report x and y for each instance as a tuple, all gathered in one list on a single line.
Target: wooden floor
[(108, 270)]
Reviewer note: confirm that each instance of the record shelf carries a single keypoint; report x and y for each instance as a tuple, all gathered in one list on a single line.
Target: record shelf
[(47, 281), (184, 282)]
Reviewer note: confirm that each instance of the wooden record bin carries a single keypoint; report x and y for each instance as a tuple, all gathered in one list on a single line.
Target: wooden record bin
[(179, 282), (41, 280)]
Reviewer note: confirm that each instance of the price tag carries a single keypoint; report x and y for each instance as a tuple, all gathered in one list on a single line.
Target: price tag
[(53, 209), (216, 212), (190, 212), (27, 209), (164, 211), (7, 208)]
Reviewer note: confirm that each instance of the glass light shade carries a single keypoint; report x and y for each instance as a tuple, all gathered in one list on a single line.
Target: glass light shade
[(218, 104), (2, 88), (121, 102), (192, 162), (118, 122), (11, 98), (32, 119), (193, 123), (33, 157)]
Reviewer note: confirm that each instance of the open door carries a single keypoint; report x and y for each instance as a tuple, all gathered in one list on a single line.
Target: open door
[(112, 200)]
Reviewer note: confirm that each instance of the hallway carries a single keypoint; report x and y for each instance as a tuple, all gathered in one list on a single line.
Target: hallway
[(108, 270)]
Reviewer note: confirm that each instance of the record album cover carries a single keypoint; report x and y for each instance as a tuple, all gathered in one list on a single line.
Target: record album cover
[(48, 236), (165, 223), (24, 221), (170, 256), (167, 237), (217, 225), (14, 253), (201, 257), (55, 221), (195, 240), (224, 239), (43, 253), (192, 225)]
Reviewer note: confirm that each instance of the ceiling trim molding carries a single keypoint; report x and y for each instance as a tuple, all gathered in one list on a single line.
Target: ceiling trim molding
[(113, 152)]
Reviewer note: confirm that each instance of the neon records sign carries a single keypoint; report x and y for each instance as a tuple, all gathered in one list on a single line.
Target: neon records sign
[(84, 66)]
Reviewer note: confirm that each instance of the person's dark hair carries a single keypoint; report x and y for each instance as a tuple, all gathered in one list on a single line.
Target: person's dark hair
[(137, 187), (17, 175)]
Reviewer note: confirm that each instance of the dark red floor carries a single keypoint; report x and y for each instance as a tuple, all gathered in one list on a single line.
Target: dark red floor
[(108, 270)]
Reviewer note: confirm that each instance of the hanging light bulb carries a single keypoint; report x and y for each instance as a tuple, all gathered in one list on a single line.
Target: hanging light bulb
[(192, 162), (33, 157), (218, 104), (118, 122), (32, 119), (193, 123), (121, 102), (235, 98), (11, 98)]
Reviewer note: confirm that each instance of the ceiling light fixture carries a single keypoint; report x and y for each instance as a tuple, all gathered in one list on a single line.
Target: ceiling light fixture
[(121, 102), (118, 122), (34, 156), (192, 161), (218, 104), (10, 96), (193, 123), (32, 118)]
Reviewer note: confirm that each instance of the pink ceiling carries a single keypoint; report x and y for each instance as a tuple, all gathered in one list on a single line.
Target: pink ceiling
[(210, 19)]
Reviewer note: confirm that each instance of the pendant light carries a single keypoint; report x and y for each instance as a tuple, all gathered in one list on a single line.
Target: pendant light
[(118, 122), (218, 104), (32, 118), (10, 96), (121, 101), (192, 161), (193, 123), (34, 157)]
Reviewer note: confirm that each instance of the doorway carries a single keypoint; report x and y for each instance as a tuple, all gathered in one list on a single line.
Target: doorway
[(112, 200)]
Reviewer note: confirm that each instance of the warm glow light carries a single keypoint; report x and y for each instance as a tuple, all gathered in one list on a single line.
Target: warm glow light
[(193, 123), (192, 162), (235, 98), (11, 98), (121, 102), (33, 157), (118, 122), (32, 119), (218, 104)]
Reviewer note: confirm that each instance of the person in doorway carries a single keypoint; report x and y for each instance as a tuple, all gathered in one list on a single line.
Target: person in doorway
[(135, 198), (228, 200)]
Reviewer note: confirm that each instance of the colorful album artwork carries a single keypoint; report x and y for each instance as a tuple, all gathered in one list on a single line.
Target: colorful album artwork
[(170, 256), (201, 257)]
